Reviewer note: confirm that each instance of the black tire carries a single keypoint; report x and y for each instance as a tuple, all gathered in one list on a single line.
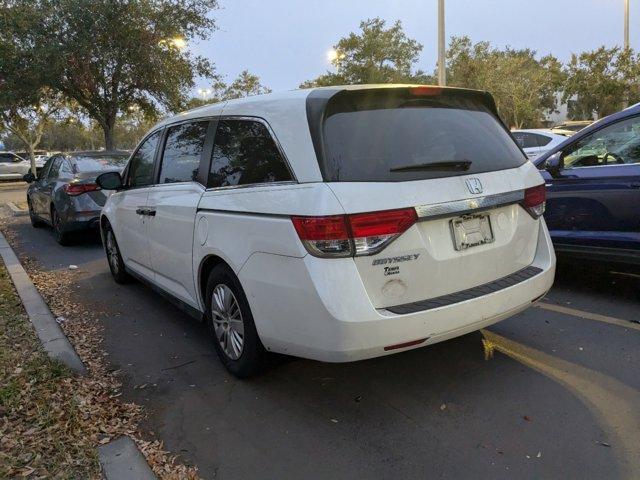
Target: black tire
[(253, 357), (35, 221), (114, 258), (62, 237)]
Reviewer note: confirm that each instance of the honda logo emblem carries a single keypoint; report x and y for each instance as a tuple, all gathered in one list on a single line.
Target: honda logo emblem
[(474, 185)]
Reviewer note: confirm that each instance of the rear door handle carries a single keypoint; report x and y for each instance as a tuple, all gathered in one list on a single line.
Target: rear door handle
[(151, 213), (142, 211)]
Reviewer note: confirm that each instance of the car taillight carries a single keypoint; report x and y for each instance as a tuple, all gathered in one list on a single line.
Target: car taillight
[(74, 189), (534, 200), (352, 235)]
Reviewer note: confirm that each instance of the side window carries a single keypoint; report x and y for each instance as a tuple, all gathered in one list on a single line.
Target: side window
[(182, 152), (45, 169), (140, 167), (244, 153), (617, 144), (55, 168), (542, 140), (6, 158), (65, 169)]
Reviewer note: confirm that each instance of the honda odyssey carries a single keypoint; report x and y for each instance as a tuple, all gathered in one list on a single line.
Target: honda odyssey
[(337, 223)]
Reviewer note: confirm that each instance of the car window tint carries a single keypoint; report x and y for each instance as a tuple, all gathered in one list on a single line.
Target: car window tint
[(542, 140), (45, 169), (65, 169), (616, 144), (6, 158), (393, 136), (182, 152), (141, 164), (245, 153), (55, 168), (100, 163)]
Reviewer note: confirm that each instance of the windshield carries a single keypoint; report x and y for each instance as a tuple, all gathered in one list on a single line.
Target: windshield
[(95, 164), (400, 139)]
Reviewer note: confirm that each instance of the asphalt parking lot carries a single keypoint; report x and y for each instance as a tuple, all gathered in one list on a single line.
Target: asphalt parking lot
[(546, 394)]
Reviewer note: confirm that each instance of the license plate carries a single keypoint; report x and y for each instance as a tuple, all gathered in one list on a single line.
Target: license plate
[(471, 230)]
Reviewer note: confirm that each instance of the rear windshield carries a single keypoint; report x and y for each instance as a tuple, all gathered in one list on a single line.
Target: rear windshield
[(95, 164), (396, 136)]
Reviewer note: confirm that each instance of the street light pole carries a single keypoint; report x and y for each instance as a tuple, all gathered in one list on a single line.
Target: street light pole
[(626, 24), (442, 74)]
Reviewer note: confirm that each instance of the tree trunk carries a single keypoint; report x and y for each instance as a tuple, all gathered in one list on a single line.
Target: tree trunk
[(32, 158), (109, 127)]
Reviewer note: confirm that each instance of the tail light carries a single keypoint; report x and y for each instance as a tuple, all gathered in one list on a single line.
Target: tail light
[(353, 235), (74, 189), (534, 200)]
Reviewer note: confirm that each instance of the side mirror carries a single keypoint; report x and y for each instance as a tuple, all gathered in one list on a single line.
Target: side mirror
[(29, 177), (110, 181), (553, 165)]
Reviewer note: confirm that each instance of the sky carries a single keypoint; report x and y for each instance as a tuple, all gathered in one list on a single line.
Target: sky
[(285, 42)]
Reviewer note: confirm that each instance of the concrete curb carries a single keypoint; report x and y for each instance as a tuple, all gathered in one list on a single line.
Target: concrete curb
[(49, 332), (15, 211), (121, 460)]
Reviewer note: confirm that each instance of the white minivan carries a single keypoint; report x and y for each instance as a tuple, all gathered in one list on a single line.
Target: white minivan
[(337, 223)]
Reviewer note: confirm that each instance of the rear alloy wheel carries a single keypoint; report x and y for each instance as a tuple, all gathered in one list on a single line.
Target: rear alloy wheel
[(116, 264), (35, 222), (62, 237), (229, 316)]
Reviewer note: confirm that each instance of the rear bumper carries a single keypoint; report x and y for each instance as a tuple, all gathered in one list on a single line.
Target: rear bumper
[(319, 309), (82, 221)]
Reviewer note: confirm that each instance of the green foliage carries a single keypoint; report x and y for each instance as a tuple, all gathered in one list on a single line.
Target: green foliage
[(110, 54), (245, 85), (523, 86), (374, 55), (601, 82)]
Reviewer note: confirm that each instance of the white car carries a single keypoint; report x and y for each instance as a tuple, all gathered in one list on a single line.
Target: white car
[(12, 166), (336, 224), (537, 141)]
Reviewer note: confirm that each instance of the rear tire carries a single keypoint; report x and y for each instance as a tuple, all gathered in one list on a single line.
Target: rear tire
[(35, 221), (232, 327), (116, 263), (62, 237)]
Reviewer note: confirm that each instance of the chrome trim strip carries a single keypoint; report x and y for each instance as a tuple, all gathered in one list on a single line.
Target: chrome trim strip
[(469, 205)]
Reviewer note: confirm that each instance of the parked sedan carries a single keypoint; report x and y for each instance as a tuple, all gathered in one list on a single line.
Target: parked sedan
[(12, 166), (65, 194), (535, 142), (593, 185)]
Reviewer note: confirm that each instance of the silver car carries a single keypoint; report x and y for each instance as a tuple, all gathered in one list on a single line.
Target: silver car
[(12, 166)]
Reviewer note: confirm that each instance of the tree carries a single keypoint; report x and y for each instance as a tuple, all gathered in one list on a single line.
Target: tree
[(110, 54), (245, 85), (525, 88), (600, 82), (28, 121), (375, 55)]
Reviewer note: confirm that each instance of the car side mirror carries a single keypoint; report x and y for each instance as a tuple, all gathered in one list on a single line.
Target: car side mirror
[(29, 177), (553, 165), (110, 181)]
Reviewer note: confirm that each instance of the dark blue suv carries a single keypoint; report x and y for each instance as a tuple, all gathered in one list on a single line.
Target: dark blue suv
[(593, 190)]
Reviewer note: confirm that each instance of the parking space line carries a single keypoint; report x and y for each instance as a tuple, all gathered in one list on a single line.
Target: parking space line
[(588, 315), (613, 403)]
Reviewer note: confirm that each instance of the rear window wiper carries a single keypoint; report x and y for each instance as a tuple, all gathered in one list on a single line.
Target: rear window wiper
[(450, 166)]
